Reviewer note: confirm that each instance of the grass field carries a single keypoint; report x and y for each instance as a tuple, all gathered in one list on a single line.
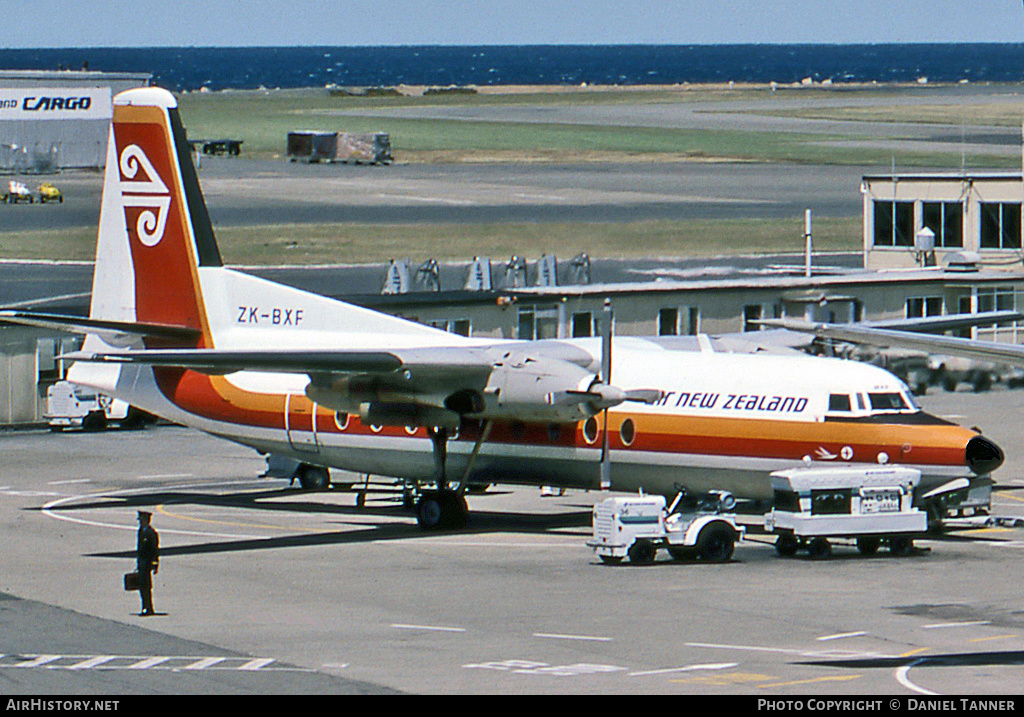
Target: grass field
[(357, 243), (264, 118)]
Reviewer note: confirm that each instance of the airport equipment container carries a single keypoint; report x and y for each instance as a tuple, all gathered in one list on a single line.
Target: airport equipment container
[(313, 147), (872, 505)]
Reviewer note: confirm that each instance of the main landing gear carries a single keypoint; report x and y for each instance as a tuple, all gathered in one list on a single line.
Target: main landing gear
[(444, 508)]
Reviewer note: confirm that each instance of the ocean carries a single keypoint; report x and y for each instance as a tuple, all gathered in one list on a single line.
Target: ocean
[(216, 68)]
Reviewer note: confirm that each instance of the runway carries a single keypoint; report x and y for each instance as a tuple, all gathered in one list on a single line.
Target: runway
[(242, 192), (312, 593)]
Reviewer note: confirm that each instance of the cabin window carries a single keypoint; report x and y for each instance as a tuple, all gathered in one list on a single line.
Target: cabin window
[(861, 405), (887, 402), (627, 432), (839, 402)]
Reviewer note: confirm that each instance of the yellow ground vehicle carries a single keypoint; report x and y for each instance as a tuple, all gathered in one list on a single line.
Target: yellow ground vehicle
[(49, 193)]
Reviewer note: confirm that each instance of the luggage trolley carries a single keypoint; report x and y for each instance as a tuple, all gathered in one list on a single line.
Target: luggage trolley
[(871, 505)]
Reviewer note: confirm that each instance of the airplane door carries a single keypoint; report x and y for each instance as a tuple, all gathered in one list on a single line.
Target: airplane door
[(300, 423)]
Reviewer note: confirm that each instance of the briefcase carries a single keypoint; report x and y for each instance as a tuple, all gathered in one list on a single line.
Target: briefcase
[(131, 581)]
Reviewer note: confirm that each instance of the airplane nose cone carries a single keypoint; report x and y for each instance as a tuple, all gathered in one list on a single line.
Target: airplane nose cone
[(983, 456)]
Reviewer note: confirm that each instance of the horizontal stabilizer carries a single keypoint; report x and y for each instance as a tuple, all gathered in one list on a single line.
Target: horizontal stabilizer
[(113, 331)]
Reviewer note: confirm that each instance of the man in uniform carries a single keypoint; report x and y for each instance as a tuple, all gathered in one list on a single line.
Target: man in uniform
[(147, 559)]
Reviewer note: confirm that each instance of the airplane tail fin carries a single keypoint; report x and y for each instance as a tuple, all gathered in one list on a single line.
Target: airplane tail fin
[(154, 230)]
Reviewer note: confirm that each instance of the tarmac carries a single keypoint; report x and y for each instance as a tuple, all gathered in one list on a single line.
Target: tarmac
[(266, 589)]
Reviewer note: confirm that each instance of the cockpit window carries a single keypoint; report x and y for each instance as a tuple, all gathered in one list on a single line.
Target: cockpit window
[(887, 402), (839, 402)]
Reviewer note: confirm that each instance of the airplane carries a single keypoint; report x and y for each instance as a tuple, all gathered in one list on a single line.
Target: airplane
[(174, 332)]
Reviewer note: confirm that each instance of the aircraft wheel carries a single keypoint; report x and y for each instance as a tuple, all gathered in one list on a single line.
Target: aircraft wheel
[(95, 421), (819, 549), (314, 478), (868, 545), (900, 545), (787, 545), (611, 559), (442, 510), (642, 552), (715, 543)]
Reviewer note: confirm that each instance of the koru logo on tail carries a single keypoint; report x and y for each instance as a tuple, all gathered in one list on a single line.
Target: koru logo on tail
[(145, 190)]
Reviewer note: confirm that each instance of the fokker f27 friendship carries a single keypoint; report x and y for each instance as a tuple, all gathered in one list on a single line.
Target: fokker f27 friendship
[(174, 332)]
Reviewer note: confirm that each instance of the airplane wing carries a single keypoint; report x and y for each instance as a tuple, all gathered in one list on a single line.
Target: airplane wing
[(875, 335), (428, 386)]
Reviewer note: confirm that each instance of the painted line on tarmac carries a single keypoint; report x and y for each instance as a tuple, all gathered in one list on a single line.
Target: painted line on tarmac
[(556, 636), (688, 668), (995, 637), (966, 623), (428, 200), (840, 636), (834, 678), (750, 648), (49, 509), (902, 676), (820, 654), (430, 628)]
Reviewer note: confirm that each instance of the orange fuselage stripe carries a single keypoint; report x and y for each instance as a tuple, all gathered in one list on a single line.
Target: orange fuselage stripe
[(216, 398)]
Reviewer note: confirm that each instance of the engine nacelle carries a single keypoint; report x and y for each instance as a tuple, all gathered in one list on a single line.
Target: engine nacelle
[(534, 388), (407, 414)]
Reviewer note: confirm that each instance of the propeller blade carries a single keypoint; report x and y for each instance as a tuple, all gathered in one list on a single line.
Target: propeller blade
[(606, 379)]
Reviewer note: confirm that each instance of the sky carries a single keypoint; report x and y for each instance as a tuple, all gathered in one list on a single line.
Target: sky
[(141, 23)]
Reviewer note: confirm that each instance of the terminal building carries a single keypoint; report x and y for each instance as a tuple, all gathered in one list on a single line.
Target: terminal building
[(970, 220)]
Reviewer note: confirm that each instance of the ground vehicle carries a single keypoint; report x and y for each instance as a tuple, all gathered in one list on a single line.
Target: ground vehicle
[(637, 526), (71, 407), (872, 505), (50, 193), (18, 192)]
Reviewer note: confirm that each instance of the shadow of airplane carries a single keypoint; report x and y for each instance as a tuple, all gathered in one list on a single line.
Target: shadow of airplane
[(953, 659), (480, 521)]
